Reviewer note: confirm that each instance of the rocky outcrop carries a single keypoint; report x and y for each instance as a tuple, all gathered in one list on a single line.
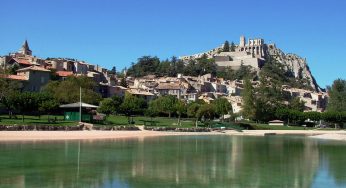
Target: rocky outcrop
[(295, 63), (258, 52)]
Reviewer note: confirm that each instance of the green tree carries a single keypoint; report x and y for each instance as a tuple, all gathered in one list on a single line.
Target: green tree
[(117, 101), (107, 106), (67, 91), (123, 82), (226, 47), (48, 106), (232, 48), (248, 94), (132, 105), (192, 110), (167, 104), (297, 104), (153, 109), (206, 112), (180, 108), (222, 107), (145, 65), (337, 118), (8, 91), (337, 96)]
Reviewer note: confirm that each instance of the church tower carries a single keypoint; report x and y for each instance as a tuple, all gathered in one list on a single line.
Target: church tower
[(25, 50)]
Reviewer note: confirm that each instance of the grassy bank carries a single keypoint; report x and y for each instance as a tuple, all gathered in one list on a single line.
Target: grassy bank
[(115, 120), (35, 120)]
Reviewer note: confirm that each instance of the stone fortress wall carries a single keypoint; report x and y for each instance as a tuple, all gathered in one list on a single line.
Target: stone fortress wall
[(247, 54)]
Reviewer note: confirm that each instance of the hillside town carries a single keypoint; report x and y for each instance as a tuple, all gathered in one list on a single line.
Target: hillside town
[(34, 73)]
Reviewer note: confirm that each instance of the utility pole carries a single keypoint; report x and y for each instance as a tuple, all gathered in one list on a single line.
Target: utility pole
[(80, 104)]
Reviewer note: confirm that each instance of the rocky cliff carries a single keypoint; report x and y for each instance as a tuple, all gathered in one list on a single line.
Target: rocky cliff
[(295, 63)]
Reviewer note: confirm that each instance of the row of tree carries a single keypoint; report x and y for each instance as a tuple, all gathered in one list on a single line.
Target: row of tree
[(47, 101), (263, 103), (165, 106), (148, 65), (297, 117)]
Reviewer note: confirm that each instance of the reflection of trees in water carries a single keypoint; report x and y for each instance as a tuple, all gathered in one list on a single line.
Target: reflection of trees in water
[(170, 161), (334, 155)]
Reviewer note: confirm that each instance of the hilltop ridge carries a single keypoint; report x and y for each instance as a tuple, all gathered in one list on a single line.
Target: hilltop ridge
[(254, 53)]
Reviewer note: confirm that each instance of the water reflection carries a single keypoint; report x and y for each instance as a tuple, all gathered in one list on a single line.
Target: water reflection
[(201, 161)]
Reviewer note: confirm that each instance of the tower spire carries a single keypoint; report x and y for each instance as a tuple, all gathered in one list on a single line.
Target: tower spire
[(25, 50)]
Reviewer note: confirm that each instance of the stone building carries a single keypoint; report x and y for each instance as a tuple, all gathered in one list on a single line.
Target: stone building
[(35, 78), (247, 54)]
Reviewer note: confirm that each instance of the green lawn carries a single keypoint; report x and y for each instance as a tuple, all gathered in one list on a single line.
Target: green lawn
[(114, 120), (111, 121), (159, 121), (34, 120)]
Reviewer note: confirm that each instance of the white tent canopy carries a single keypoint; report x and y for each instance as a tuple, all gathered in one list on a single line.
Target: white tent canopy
[(77, 105)]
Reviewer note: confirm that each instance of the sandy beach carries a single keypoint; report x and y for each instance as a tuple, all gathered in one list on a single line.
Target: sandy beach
[(84, 135)]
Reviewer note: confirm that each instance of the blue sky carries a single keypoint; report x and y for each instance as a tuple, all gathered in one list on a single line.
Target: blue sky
[(117, 32)]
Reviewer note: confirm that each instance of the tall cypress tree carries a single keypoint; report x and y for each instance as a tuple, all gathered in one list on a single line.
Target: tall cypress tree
[(226, 47), (232, 48), (249, 108)]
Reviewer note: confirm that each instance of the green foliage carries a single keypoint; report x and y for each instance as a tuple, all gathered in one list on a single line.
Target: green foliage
[(166, 104), (13, 69), (279, 74), (48, 105), (123, 82), (335, 117), (232, 48), (207, 112), (132, 105), (226, 47), (192, 109), (337, 94), (107, 106), (200, 66), (152, 65), (248, 94), (8, 90), (144, 66), (153, 109), (296, 104), (180, 108), (222, 107), (242, 73), (67, 91)]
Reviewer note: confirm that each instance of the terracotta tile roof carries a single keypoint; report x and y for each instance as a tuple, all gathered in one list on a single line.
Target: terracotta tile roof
[(64, 73), (14, 77), (22, 61), (17, 77), (34, 68)]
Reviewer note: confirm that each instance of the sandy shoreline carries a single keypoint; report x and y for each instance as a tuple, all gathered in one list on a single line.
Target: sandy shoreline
[(85, 135)]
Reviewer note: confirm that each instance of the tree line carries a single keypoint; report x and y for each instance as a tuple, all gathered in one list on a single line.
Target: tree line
[(148, 65), (268, 101), (168, 106)]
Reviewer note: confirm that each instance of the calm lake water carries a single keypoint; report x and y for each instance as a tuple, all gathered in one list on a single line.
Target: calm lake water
[(176, 161)]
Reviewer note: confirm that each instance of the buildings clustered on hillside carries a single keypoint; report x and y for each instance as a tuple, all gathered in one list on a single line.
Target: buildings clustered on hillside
[(34, 73)]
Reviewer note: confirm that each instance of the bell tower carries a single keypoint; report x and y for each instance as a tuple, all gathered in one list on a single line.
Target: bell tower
[(25, 50)]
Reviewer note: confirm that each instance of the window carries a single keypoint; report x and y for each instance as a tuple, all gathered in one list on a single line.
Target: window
[(42, 80)]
